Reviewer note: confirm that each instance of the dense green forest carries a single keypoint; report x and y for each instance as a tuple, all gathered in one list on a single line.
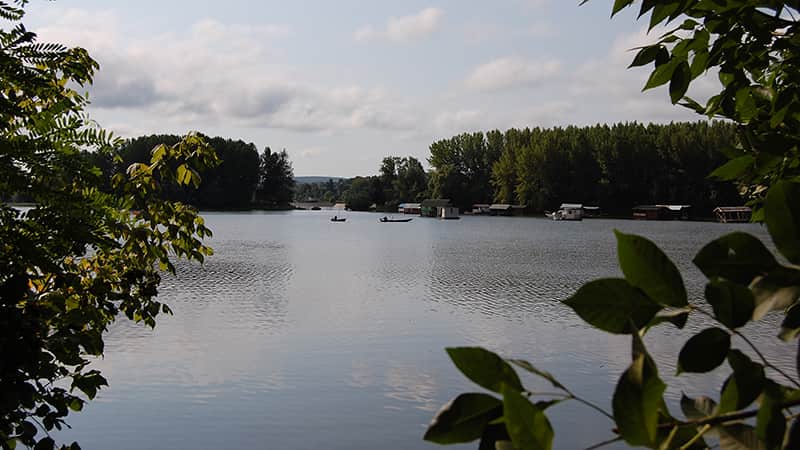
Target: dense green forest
[(615, 167), (244, 178)]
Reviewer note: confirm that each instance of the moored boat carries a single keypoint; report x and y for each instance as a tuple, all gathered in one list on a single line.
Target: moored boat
[(387, 220)]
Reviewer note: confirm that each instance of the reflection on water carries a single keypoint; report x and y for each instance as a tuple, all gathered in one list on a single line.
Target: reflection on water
[(302, 333)]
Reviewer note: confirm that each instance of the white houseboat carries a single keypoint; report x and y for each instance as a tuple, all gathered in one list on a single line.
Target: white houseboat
[(567, 211)]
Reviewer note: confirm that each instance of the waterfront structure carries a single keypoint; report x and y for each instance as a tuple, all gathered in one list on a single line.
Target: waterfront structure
[(733, 214), (661, 212), (410, 208), (500, 209), (429, 207), (447, 212), (567, 211), (480, 208)]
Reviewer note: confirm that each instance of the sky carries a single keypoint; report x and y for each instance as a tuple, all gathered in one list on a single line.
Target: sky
[(341, 84)]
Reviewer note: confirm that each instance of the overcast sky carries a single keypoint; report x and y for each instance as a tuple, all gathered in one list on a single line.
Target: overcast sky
[(341, 84)]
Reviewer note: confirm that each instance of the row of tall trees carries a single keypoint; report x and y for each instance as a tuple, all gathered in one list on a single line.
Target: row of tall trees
[(615, 166), (328, 191), (243, 179), (399, 179)]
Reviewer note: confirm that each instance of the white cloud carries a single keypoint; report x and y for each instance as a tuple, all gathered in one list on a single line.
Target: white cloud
[(454, 122), (405, 28), (540, 30), (310, 152), (504, 73), (606, 87), (218, 74)]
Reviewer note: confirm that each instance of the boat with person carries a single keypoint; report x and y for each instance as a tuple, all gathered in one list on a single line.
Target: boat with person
[(385, 219), (338, 219)]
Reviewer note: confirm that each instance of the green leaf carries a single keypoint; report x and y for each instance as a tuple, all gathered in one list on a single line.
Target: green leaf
[(699, 64), (790, 327), (484, 368), (645, 56), (662, 74), (677, 317), (494, 436), (463, 418), (739, 436), (526, 424), (744, 385), (503, 445), (733, 303), (733, 169), (737, 256), (619, 5), (793, 439), (770, 422), (698, 407), (46, 443), (636, 403), (777, 290), (544, 404), (645, 266), (89, 383), (544, 374), (76, 404), (782, 215), (679, 83), (745, 104), (704, 351), (778, 117), (612, 304), (183, 174), (662, 11), (158, 153)]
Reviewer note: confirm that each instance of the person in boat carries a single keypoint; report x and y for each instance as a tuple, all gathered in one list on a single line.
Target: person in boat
[(385, 218), (335, 217)]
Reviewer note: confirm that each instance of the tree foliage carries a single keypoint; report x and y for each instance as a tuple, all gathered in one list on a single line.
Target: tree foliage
[(328, 191), (399, 180), (243, 179), (403, 180), (613, 166), (753, 46), (463, 167), (275, 180), (89, 249)]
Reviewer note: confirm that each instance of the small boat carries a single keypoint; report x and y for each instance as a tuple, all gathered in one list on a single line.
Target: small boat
[(386, 219), (338, 219)]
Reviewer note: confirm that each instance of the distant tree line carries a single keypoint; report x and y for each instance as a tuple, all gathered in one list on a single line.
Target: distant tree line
[(400, 179), (615, 167), (244, 178), (329, 191)]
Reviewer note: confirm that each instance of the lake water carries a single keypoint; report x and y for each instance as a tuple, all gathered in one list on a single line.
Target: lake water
[(300, 333)]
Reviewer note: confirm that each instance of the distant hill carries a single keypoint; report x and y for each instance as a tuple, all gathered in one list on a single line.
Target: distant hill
[(309, 180)]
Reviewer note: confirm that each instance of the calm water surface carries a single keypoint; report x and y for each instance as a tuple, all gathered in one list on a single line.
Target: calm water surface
[(300, 333)]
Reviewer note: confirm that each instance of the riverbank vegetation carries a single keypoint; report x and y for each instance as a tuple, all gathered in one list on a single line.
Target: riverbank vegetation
[(244, 179), (612, 166)]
